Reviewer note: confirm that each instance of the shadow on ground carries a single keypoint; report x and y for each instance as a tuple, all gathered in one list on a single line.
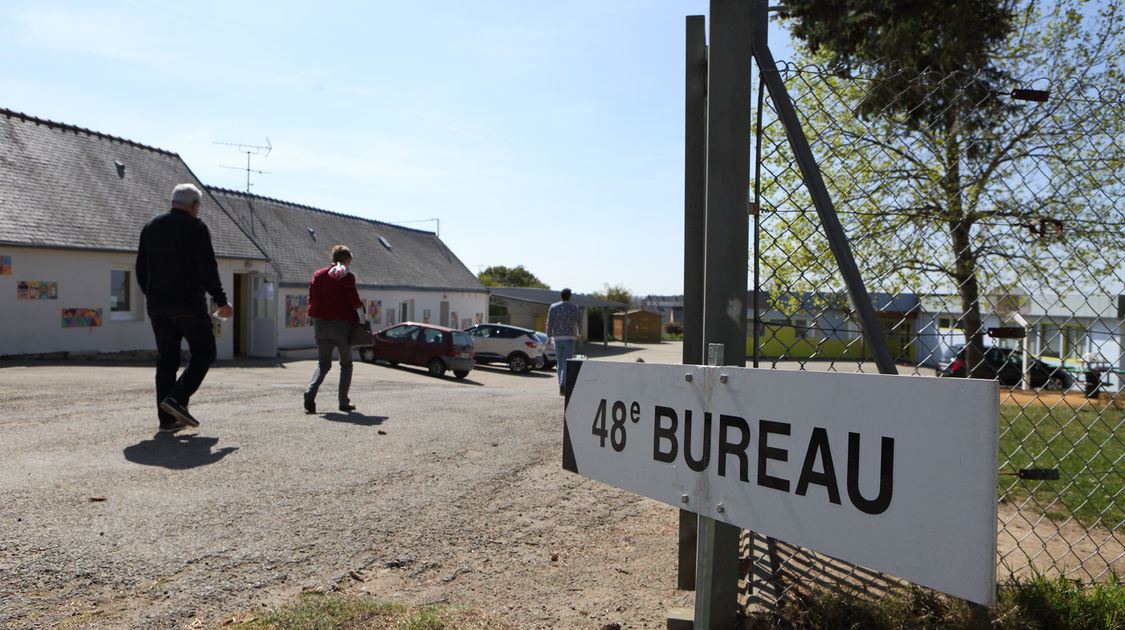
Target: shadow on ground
[(360, 419), (178, 452)]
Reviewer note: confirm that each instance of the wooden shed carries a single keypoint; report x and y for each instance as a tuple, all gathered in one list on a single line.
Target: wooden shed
[(643, 326)]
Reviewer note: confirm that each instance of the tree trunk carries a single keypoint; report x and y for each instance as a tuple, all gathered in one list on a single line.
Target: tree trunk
[(966, 277), (964, 256)]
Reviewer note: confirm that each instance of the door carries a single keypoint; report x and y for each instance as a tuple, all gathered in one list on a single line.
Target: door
[(396, 343), (262, 316)]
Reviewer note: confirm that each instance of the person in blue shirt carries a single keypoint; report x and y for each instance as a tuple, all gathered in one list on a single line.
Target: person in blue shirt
[(562, 328)]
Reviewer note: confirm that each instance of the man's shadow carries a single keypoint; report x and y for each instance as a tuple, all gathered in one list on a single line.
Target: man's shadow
[(178, 452), (355, 418)]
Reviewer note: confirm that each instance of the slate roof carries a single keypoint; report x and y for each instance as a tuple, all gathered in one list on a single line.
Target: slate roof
[(299, 241), (68, 187), (550, 296)]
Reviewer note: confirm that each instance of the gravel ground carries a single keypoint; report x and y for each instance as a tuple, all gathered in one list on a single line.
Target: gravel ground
[(434, 490)]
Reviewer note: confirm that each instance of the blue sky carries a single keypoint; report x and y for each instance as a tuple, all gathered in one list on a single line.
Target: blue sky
[(548, 135)]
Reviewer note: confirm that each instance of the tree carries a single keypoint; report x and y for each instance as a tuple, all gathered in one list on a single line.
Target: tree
[(941, 177), (501, 276), (615, 293)]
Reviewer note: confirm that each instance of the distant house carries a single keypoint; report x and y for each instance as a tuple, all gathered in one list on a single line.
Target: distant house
[(72, 205), (402, 274), (669, 307), (923, 330)]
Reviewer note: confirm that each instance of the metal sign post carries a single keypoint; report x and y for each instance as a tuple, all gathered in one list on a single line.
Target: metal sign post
[(726, 234)]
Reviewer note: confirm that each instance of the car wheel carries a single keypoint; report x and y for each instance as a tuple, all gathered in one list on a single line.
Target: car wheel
[(367, 354), (519, 363), (1056, 383), (540, 363), (436, 367), (460, 373)]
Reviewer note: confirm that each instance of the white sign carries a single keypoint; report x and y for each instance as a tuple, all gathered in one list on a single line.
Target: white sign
[(894, 473)]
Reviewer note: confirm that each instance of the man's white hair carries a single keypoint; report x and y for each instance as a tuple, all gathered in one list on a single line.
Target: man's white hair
[(186, 195)]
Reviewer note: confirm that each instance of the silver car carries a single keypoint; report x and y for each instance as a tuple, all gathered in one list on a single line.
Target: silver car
[(500, 343)]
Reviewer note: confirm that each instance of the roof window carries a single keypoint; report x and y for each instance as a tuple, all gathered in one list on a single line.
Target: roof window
[(385, 243)]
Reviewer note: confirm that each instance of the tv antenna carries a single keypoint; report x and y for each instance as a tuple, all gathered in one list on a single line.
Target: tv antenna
[(249, 150)]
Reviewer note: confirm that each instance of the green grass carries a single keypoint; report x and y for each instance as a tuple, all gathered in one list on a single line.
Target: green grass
[(317, 611), (1085, 441), (1048, 604)]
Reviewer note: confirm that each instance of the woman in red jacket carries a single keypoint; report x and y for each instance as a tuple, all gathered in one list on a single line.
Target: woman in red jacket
[(333, 304)]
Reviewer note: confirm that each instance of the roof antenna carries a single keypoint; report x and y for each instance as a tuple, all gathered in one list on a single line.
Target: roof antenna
[(249, 149)]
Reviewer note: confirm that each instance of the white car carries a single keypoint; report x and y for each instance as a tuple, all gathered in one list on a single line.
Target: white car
[(500, 343)]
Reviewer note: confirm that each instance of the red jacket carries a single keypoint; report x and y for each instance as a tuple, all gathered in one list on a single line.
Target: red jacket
[(333, 298)]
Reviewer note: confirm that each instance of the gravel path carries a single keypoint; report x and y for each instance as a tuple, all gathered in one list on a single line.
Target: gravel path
[(435, 490)]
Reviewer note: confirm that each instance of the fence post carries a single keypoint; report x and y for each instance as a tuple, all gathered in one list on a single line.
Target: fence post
[(695, 178), (726, 246)]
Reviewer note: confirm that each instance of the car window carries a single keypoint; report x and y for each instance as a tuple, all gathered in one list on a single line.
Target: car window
[(431, 335), (477, 332), (510, 333), (461, 339), (402, 332)]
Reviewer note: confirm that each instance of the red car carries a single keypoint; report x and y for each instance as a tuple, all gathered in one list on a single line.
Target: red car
[(437, 348)]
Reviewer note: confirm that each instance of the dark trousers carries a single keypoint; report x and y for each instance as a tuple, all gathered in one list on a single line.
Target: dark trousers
[(171, 325), (331, 334)]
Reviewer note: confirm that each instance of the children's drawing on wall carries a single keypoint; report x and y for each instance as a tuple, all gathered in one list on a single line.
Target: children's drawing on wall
[(425, 316), (81, 317), (453, 319), (296, 311), (390, 316), (5, 265), (375, 312), (480, 318), (37, 290), (465, 323)]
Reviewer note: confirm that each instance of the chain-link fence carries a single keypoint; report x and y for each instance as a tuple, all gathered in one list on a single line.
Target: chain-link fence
[(987, 226)]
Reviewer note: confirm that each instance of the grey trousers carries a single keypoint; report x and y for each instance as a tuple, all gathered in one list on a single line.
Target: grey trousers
[(332, 334)]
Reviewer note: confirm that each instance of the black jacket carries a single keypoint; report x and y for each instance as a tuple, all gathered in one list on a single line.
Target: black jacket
[(176, 263)]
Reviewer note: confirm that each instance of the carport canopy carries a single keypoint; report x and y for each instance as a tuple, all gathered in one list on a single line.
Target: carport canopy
[(547, 297)]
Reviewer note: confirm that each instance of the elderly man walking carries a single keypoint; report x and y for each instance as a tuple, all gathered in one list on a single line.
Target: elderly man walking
[(562, 327), (175, 266)]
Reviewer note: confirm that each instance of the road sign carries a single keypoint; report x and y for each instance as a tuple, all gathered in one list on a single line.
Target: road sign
[(894, 473)]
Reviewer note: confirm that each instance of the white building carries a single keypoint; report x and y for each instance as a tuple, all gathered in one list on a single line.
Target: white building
[(72, 205)]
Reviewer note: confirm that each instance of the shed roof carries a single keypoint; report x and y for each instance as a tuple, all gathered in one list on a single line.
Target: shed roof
[(550, 296), (63, 186), (299, 241)]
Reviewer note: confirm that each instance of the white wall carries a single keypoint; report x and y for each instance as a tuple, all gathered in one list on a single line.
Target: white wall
[(471, 306), (83, 281)]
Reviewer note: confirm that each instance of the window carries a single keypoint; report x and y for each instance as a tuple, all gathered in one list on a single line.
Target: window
[(402, 332), (1074, 342), (1049, 341), (430, 335), (945, 323), (806, 329), (119, 291)]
